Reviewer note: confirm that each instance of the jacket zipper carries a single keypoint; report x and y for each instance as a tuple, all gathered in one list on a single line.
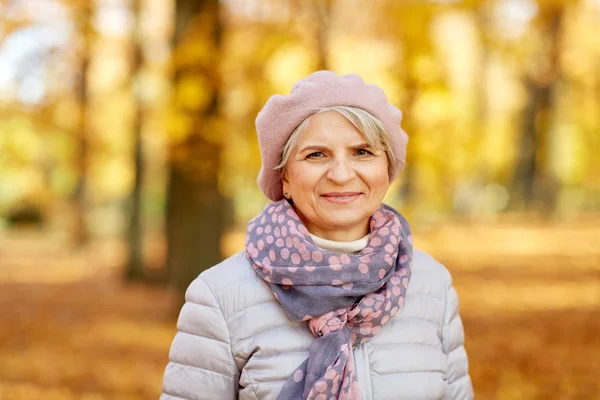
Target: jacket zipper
[(363, 371)]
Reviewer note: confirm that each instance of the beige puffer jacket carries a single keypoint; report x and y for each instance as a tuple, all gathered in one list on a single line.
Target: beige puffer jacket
[(235, 341)]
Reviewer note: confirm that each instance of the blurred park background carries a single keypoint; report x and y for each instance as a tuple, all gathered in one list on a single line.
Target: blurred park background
[(128, 164)]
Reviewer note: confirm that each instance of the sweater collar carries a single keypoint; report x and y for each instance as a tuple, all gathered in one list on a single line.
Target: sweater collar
[(341, 247)]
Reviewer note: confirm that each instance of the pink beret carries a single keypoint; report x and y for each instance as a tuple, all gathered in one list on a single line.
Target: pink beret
[(282, 114)]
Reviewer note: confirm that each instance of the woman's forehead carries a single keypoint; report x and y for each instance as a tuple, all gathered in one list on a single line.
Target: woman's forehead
[(331, 129)]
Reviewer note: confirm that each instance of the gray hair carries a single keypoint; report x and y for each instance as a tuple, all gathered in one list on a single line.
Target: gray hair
[(373, 129)]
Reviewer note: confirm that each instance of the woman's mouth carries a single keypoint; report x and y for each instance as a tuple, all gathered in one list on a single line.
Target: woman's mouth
[(341, 198)]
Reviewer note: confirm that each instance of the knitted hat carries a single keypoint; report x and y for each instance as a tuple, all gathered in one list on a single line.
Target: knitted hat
[(282, 114)]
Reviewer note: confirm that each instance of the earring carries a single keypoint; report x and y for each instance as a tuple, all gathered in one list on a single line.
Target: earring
[(286, 195)]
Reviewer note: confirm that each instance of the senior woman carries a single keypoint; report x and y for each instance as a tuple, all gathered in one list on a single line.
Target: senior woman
[(329, 300)]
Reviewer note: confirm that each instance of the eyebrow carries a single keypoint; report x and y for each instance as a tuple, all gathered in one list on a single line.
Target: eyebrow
[(321, 147)]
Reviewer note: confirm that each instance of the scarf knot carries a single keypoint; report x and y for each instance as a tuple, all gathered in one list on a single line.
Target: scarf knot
[(328, 323)]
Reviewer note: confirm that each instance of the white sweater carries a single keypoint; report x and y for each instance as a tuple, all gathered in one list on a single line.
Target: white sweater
[(236, 342)]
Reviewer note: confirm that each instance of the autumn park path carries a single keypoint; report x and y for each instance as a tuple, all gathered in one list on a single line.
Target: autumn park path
[(530, 300)]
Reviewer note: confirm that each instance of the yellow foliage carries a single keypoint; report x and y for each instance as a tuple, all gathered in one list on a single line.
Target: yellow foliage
[(110, 68), (289, 63), (66, 114), (20, 184), (193, 92), (570, 166), (193, 51), (111, 178), (179, 126), (374, 60), (239, 100), (431, 108), (213, 130)]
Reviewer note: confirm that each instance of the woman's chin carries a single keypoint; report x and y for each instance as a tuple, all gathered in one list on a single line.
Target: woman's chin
[(346, 221)]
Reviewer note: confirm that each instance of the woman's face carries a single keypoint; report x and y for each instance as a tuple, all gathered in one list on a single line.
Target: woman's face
[(335, 180)]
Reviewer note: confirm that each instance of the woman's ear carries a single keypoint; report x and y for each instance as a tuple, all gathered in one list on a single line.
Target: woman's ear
[(286, 185)]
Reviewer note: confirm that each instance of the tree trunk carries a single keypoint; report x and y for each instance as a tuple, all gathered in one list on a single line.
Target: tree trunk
[(415, 41), (135, 263), (80, 234), (195, 215), (525, 172), (323, 11), (533, 181), (195, 209), (408, 189)]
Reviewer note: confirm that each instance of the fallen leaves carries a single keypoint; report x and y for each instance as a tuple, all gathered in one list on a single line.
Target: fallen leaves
[(531, 317)]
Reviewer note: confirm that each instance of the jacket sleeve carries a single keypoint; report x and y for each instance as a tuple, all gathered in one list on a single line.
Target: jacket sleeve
[(201, 365), (453, 339)]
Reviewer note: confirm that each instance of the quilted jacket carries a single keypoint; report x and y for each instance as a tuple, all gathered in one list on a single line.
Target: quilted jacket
[(234, 341)]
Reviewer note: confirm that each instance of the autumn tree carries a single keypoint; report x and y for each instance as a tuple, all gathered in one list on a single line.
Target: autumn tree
[(195, 207), (135, 268), (409, 25), (83, 15), (533, 180), (322, 11)]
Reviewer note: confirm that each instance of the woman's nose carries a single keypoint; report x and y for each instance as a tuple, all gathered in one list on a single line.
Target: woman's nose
[(340, 172)]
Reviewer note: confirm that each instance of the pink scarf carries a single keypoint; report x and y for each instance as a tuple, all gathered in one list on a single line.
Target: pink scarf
[(346, 298)]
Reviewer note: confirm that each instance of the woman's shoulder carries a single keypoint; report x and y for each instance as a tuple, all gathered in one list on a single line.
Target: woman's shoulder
[(232, 285), (232, 271), (232, 278), (425, 263)]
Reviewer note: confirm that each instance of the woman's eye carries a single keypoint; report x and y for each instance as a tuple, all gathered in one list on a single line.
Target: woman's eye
[(363, 152), (316, 154)]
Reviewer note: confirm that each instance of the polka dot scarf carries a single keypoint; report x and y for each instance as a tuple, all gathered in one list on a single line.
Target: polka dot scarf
[(346, 298)]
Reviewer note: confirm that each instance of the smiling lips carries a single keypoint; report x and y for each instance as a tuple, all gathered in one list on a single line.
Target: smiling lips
[(341, 197)]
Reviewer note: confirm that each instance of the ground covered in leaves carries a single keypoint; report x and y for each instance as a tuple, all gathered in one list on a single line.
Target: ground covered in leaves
[(70, 328)]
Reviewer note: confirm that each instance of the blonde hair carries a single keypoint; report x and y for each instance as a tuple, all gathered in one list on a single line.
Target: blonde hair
[(373, 129)]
